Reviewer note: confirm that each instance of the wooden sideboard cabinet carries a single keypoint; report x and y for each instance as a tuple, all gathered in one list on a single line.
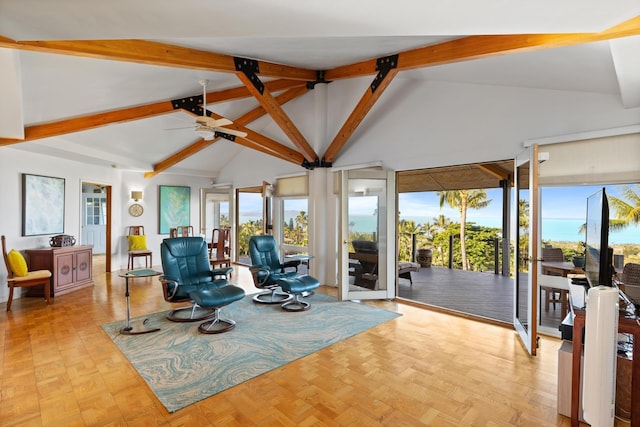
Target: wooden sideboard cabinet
[(71, 267)]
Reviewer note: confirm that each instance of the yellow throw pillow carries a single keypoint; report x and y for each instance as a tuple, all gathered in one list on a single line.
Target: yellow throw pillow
[(17, 263), (137, 243)]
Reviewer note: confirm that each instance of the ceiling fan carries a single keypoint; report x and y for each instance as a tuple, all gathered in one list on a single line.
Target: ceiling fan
[(207, 127)]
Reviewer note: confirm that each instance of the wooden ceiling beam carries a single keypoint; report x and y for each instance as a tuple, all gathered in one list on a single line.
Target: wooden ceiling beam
[(275, 148), (497, 171), (92, 121), (372, 94), (240, 92), (259, 142), (274, 109), (154, 53), (476, 47)]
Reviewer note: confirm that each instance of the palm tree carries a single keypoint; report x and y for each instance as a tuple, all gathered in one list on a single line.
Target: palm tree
[(523, 225), (302, 224), (463, 200), (406, 230), (627, 210), (439, 224)]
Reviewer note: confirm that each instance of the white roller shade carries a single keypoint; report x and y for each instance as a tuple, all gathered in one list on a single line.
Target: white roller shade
[(607, 160), (292, 186)]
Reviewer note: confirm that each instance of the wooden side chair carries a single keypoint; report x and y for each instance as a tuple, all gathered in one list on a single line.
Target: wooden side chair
[(219, 253), (137, 241), (181, 231), (551, 295), (631, 281), (18, 274)]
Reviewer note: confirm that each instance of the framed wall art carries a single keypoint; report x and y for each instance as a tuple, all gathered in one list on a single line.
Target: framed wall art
[(42, 205), (174, 207)]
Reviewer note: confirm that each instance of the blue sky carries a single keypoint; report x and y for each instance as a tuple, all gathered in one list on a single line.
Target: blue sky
[(557, 203)]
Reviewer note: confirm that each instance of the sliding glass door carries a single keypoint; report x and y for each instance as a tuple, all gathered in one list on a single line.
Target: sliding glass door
[(525, 244), (367, 228)]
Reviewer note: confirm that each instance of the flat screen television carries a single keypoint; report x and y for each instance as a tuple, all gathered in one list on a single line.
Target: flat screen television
[(598, 255)]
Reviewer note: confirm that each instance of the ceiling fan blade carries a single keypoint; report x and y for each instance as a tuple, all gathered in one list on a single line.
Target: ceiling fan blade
[(180, 128), (231, 132), (211, 122)]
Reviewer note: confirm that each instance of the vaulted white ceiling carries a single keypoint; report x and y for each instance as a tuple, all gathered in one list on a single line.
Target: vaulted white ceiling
[(43, 87)]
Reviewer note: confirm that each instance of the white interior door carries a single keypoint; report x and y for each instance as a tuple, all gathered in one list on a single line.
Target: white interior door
[(525, 243), (367, 228), (94, 229)]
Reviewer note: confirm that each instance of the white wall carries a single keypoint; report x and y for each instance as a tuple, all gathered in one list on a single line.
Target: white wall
[(417, 124), (14, 162), (149, 219)]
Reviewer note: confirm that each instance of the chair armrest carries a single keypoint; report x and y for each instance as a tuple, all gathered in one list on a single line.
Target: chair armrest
[(294, 263), (170, 286), (221, 272), (260, 274)]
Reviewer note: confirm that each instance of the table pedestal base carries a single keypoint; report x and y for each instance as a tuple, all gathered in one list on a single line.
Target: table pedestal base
[(137, 329)]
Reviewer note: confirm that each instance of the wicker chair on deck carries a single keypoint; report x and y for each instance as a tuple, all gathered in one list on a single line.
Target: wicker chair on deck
[(551, 295), (631, 281)]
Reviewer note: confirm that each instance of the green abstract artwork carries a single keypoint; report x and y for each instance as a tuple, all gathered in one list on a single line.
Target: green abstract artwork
[(174, 207)]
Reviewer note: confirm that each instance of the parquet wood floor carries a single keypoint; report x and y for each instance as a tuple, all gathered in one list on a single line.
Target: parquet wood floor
[(58, 368)]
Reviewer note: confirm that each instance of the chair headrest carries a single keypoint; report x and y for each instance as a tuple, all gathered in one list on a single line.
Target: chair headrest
[(265, 243), (185, 246), (365, 246)]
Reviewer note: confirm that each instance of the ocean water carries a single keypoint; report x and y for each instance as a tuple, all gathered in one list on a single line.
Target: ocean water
[(558, 230)]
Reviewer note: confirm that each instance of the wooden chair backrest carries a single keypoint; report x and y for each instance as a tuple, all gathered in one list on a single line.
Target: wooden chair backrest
[(219, 241), (181, 231), (552, 254), (136, 230), (631, 274), (6, 259)]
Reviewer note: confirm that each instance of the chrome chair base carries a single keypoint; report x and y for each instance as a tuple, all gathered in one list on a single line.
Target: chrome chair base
[(274, 296), (296, 304), (193, 313), (217, 325)]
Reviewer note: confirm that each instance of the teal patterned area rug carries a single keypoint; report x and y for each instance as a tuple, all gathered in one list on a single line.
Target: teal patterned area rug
[(183, 366)]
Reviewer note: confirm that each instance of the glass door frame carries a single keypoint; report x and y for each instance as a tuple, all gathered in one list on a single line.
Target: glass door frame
[(206, 228), (386, 242), (528, 333)]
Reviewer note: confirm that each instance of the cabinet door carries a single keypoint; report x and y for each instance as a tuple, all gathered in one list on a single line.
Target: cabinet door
[(63, 270), (83, 265)]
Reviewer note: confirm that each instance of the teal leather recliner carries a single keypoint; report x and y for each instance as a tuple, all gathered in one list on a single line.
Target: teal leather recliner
[(283, 286), (188, 277)]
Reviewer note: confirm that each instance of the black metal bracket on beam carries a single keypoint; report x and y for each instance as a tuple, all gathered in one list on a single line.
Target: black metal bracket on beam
[(190, 103), (250, 68), (315, 164), (319, 79), (383, 66), (227, 136)]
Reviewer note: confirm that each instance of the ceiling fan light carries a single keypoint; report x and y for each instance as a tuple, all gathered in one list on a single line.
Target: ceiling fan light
[(205, 133)]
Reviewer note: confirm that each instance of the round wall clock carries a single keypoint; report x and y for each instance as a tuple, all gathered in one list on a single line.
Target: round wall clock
[(136, 209)]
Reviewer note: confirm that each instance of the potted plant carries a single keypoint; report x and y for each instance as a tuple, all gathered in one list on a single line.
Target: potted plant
[(579, 259)]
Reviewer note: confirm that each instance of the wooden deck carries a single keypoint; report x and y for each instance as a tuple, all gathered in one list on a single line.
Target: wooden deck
[(484, 295)]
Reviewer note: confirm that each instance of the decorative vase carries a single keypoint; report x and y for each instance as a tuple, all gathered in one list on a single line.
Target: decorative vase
[(578, 261)]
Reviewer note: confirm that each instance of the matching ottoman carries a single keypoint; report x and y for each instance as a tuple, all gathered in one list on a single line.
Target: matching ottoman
[(217, 298), (298, 286)]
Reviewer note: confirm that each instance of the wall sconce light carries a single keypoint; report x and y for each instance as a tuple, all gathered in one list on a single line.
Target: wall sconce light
[(136, 195)]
